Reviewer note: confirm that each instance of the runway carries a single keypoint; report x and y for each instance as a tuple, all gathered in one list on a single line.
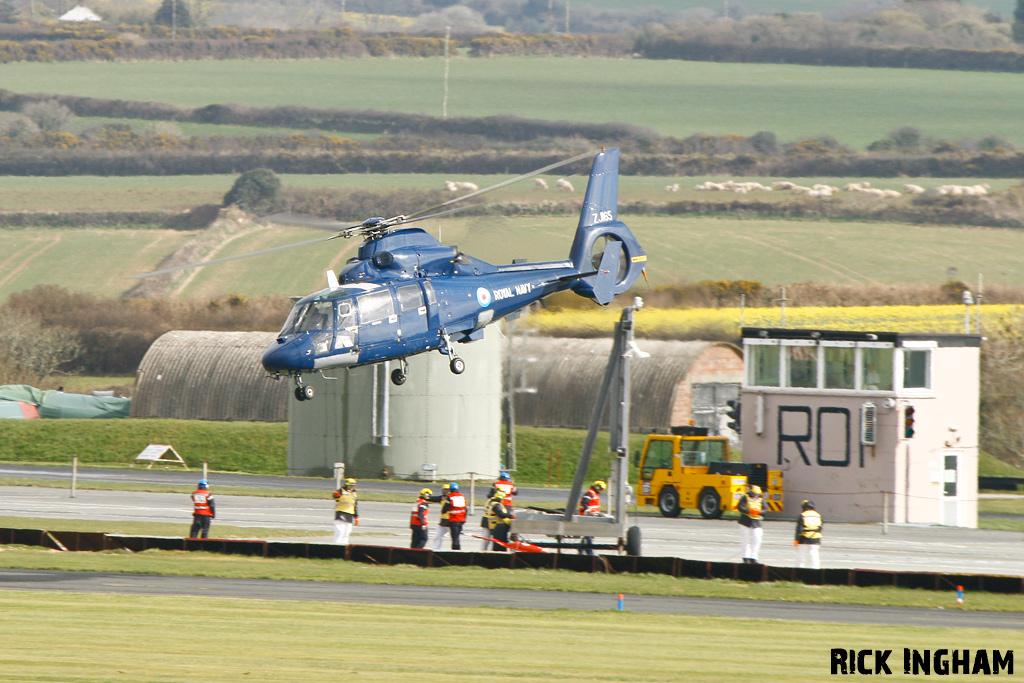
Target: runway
[(857, 546), (852, 546)]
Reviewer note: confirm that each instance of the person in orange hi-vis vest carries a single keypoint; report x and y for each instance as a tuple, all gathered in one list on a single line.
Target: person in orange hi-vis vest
[(203, 511), (418, 520), (590, 506), (505, 485), (453, 516)]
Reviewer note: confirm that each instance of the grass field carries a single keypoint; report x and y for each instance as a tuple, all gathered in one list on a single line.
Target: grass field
[(79, 638), (151, 193), (51, 256), (855, 105), (680, 249)]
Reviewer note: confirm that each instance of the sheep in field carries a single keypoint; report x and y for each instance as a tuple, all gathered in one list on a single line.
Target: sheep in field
[(540, 183), (564, 184)]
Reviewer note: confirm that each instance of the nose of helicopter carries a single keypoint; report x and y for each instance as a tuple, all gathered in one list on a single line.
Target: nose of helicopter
[(287, 356)]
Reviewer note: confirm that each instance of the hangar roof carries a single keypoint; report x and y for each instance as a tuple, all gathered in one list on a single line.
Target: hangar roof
[(195, 375), (556, 380)]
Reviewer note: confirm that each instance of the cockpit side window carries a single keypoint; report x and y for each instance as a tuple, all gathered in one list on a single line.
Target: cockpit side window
[(316, 316), (346, 314), (345, 336), (376, 306), (410, 297)]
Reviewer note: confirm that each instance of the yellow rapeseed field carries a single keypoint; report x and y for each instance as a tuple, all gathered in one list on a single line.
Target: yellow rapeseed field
[(697, 322)]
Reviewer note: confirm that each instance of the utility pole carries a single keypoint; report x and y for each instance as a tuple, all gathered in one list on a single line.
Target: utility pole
[(567, 16), (174, 19), (782, 300), (977, 306), (968, 302), (444, 97)]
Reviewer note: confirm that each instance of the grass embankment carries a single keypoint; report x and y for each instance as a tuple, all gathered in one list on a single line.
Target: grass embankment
[(545, 456), (77, 638), (253, 447)]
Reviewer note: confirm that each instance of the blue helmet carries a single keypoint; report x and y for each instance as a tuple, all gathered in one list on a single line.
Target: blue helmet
[(453, 486), (504, 476), (203, 484)]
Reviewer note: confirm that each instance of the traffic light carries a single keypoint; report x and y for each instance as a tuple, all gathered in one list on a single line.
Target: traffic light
[(908, 422), (733, 413)]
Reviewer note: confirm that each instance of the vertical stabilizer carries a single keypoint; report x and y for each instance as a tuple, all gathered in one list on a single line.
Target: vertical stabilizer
[(604, 250), (601, 204)]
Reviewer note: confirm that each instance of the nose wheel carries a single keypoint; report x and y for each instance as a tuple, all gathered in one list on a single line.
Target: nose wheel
[(303, 392)]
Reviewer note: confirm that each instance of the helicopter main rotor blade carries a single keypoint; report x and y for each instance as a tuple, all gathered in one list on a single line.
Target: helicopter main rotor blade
[(368, 227), (307, 221), (477, 193), (261, 252)]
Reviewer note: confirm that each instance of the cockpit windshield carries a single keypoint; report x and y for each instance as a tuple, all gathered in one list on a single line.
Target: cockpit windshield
[(310, 317)]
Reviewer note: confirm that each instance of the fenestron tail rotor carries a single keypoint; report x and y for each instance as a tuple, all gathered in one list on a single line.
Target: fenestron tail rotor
[(371, 228)]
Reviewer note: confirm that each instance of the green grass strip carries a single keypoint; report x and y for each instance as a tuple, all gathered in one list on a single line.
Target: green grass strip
[(86, 638)]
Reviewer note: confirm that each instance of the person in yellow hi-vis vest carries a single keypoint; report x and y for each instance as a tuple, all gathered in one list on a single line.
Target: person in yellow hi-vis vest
[(346, 511), (749, 507), (498, 518), (808, 536)]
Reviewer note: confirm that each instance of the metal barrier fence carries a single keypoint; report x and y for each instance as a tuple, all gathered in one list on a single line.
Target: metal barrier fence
[(612, 564)]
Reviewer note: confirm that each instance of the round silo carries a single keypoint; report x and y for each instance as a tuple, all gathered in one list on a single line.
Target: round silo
[(435, 426)]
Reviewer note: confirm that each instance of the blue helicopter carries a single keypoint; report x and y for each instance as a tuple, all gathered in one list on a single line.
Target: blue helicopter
[(406, 293)]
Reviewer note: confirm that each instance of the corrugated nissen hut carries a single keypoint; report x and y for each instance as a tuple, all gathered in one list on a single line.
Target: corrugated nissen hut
[(556, 381), (209, 376)]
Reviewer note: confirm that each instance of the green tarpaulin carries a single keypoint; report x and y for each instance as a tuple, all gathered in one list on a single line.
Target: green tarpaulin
[(57, 404)]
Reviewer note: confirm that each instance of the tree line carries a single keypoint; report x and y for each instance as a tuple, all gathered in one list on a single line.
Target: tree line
[(927, 35)]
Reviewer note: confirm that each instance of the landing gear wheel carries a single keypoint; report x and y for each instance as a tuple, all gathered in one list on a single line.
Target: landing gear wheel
[(458, 366), (709, 503), (668, 502), (305, 393), (299, 394), (398, 377)]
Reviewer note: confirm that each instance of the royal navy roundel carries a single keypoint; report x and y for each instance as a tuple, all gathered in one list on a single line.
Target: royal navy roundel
[(483, 296)]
